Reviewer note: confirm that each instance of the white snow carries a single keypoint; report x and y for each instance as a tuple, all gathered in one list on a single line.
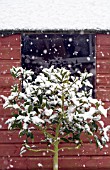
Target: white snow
[(102, 110), (11, 166), (89, 114), (48, 112), (11, 120), (23, 150), (25, 126), (40, 165), (54, 14), (37, 120), (106, 129)]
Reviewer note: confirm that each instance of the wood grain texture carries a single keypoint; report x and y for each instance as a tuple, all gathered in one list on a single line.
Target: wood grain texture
[(65, 163), (88, 157)]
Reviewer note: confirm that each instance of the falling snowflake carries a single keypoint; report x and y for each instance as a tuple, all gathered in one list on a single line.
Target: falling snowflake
[(70, 40), (45, 51), (69, 45), (98, 66), (88, 58), (55, 49), (40, 165), (43, 153), (69, 65), (11, 166)]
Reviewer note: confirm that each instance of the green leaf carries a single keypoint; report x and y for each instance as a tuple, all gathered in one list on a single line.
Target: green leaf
[(40, 99), (97, 105), (29, 108), (67, 131), (93, 126), (15, 115), (14, 75), (19, 125), (70, 138), (98, 142), (65, 140), (76, 136), (30, 135), (13, 126), (65, 81), (58, 77), (26, 103), (22, 133), (63, 75)]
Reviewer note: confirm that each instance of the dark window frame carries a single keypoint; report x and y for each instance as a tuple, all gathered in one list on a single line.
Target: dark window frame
[(75, 60)]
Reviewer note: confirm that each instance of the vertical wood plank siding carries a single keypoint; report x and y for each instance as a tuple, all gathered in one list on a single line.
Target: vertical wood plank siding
[(88, 157)]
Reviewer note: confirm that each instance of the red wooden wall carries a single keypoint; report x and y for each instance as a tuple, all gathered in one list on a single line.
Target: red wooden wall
[(88, 156)]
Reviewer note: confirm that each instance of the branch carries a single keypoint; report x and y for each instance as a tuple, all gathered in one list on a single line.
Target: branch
[(45, 132), (40, 150), (70, 148)]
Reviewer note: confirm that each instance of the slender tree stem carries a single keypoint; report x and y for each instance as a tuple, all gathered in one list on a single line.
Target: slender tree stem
[(55, 158), (56, 143), (56, 140)]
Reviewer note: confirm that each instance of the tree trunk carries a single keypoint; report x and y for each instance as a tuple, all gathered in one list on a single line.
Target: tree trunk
[(55, 158)]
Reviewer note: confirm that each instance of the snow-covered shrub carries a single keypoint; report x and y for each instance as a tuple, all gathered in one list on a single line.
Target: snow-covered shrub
[(59, 102)]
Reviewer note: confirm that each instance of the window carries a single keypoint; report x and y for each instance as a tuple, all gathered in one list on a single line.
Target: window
[(72, 51)]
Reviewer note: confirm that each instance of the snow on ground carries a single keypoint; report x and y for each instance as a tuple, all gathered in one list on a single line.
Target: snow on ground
[(55, 14)]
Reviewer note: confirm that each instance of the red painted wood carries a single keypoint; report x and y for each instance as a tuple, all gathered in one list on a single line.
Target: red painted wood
[(90, 158), (10, 54), (4, 90), (9, 137), (5, 66), (107, 104), (104, 94), (10, 48), (65, 163), (85, 150), (11, 40), (103, 79), (102, 40), (103, 66), (103, 60), (5, 113), (8, 81), (103, 53)]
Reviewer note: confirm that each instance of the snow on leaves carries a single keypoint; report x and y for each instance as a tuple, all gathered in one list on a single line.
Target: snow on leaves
[(56, 99)]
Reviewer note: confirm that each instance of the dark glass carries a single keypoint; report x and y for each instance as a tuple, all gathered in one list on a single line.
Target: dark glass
[(72, 51)]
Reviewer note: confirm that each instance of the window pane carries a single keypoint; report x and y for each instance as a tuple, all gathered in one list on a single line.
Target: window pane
[(72, 51)]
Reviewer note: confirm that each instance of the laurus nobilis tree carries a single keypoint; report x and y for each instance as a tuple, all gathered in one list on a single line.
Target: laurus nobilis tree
[(59, 102)]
